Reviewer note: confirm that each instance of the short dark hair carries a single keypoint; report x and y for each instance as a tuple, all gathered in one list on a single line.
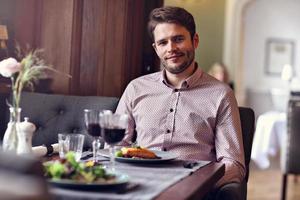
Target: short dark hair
[(170, 14)]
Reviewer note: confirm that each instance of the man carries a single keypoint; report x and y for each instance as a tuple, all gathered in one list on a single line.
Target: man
[(182, 109)]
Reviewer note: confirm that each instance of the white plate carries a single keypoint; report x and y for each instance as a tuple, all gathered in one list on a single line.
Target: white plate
[(121, 181), (164, 156)]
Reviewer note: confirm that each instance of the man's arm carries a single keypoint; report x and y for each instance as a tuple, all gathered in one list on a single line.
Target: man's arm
[(229, 141)]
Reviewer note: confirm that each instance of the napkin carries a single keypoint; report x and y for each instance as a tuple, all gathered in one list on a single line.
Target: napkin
[(44, 150)]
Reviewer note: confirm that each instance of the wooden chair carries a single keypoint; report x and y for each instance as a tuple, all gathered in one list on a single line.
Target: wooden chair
[(238, 191), (290, 162)]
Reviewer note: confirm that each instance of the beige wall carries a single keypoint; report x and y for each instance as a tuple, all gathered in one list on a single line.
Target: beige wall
[(209, 16)]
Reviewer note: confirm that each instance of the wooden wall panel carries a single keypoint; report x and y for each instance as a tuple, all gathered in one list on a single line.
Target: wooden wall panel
[(27, 22), (92, 46), (134, 37), (56, 39), (98, 42), (111, 45), (115, 47), (76, 47), (21, 25), (21, 19)]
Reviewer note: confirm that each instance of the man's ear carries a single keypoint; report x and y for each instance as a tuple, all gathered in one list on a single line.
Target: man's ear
[(154, 46), (196, 40)]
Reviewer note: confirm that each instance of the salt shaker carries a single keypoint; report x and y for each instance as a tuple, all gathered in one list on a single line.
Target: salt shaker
[(25, 133)]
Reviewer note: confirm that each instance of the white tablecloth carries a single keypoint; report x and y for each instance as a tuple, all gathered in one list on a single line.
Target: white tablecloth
[(269, 137)]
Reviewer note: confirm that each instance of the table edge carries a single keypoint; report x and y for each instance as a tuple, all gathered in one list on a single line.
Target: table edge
[(187, 189)]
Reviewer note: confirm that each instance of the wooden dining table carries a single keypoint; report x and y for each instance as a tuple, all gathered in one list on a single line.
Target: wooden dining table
[(194, 186), (197, 185)]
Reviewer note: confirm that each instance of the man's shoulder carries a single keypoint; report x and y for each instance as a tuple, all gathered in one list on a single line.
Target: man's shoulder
[(153, 77), (215, 84)]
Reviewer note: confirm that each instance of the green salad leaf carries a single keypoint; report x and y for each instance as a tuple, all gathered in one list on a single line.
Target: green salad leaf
[(70, 169), (118, 153), (55, 169)]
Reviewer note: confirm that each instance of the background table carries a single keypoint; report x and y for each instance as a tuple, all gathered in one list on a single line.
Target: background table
[(269, 137)]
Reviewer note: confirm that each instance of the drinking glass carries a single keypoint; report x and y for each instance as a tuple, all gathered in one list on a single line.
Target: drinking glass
[(70, 142), (63, 144), (113, 131), (91, 118)]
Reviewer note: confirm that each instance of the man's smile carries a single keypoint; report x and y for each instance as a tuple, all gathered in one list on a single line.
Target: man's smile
[(174, 56)]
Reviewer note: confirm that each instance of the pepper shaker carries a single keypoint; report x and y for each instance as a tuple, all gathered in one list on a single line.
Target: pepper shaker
[(25, 133)]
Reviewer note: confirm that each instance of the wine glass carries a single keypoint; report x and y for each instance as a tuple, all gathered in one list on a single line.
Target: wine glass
[(91, 119), (113, 131)]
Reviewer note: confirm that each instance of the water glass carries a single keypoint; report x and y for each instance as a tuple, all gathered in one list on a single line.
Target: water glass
[(70, 142)]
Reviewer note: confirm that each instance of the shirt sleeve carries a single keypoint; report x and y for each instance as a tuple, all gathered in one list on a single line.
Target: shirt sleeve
[(125, 107), (229, 142)]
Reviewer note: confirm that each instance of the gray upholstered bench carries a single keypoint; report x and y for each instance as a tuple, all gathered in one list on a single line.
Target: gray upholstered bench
[(52, 113)]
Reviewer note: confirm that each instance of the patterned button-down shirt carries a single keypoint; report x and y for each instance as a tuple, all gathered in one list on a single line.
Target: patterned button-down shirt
[(198, 121)]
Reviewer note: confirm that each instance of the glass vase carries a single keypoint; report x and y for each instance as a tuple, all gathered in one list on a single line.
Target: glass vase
[(10, 139)]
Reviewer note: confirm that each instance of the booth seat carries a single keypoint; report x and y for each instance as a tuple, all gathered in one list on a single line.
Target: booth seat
[(53, 114)]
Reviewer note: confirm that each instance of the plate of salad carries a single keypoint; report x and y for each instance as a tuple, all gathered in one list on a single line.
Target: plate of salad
[(68, 173)]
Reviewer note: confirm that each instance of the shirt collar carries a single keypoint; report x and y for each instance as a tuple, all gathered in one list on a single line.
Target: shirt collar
[(190, 82)]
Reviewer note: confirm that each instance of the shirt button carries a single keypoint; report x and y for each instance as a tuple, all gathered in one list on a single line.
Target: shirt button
[(168, 131), (171, 110)]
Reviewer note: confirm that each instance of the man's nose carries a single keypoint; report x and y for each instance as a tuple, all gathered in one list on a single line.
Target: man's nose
[(171, 46)]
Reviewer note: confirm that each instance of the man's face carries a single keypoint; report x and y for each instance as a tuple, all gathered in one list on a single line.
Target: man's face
[(174, 47)]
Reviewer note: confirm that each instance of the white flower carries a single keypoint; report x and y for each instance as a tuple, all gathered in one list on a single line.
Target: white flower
[(9, 66)]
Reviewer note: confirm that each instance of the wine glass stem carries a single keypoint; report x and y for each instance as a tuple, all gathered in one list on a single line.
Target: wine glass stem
[(96, 147), (112, 158)]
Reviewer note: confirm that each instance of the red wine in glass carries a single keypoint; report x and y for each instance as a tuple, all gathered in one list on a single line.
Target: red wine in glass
[(113, 135), (91, 119), (113, 131), (94, 129)]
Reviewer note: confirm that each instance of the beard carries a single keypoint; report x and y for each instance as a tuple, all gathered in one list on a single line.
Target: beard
[(181, 67)]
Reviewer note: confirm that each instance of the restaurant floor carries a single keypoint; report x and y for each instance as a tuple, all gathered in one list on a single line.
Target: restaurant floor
[(266, 184)]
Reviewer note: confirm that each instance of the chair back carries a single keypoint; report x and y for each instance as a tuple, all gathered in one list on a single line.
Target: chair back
[(239, 190), (247, 123), (290, 163), (291, 153), (55, 113)]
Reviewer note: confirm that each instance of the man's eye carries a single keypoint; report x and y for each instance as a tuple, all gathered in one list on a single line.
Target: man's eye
[(178, 39), (161, 43)]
